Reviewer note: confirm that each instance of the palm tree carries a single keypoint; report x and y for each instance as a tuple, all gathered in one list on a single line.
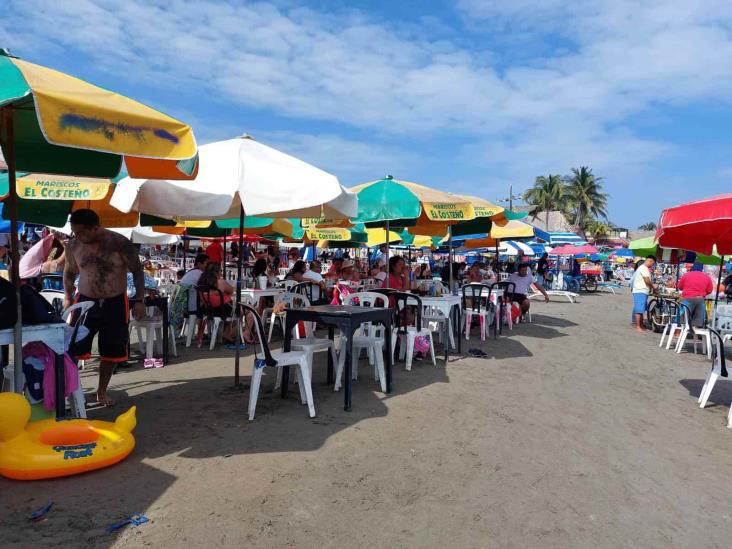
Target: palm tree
[(547, 194), (584, 192), (650, 226), (597, 229)]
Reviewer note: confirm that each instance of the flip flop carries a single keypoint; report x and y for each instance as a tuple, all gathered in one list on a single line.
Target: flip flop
[(477, 353)]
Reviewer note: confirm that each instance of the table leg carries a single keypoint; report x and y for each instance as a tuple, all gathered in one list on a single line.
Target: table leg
[(389, 355), (457, 327), (331, 336), (60, 386), (448, 324), (166, 330), (286, 345), (348, 370)]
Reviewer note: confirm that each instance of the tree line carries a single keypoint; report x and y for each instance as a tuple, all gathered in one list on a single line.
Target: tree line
[(579, 196)]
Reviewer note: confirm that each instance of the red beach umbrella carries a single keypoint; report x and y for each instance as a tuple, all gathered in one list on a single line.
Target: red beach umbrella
[(698, 226)]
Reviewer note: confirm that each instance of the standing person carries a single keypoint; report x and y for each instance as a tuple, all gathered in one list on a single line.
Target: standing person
[(642, 284), (215, 252), (102, 258), (695, 285), (522, 280), (541, 268)]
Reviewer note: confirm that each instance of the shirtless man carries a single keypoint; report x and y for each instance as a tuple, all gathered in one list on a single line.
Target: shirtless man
[(102, 259)]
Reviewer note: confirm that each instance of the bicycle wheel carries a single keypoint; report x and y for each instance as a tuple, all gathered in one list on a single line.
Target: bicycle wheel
[(591, 284), (655, 315)]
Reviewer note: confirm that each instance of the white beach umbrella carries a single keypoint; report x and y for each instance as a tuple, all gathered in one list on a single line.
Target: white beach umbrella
[(236, 178), (512, 248), (240, 173), (145, 235)]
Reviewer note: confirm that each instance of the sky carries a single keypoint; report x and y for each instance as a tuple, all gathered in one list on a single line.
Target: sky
[(470, 96)]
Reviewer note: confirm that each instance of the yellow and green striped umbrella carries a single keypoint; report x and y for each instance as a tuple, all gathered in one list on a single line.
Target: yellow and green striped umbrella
[(62, 125)]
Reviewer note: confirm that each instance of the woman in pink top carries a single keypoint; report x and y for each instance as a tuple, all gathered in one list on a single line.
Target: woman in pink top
[(397, 278), (695, 286)]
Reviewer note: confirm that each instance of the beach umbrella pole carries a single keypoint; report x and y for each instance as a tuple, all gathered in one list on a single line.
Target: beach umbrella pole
[(449, 254), (719, 282), (237, 297), (14, 253), (224, 255), (387, 253)]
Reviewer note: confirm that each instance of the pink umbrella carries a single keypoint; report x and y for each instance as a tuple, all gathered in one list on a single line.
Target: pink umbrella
[(30, 264), (568, 249)]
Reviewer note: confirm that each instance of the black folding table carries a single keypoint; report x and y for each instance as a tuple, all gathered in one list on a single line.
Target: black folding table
[(347, 318)]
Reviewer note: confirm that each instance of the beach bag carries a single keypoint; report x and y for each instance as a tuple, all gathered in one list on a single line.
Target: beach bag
[(421, 345), (515, 311), (35, 308), (179, 307), (8, 305)]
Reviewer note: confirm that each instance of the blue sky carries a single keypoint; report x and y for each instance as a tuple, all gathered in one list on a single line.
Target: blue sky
[(468, 96)]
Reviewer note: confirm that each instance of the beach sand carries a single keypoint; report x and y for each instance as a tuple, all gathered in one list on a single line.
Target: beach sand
[(574, 432)]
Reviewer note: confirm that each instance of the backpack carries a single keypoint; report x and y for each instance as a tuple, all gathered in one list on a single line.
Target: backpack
[(8, 305), (35, 308)]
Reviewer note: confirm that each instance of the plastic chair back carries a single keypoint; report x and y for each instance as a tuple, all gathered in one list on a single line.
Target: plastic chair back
[(476, 296)]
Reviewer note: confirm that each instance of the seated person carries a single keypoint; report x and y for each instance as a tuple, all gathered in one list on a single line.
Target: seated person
[(297, 272), (474, 275), (335, 269), (192, 277), (212, 278), (319, 286), (522, 280)]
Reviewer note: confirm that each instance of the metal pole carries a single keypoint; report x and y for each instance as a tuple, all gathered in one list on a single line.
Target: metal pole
[(510, 197), (716, 290), (449, 255), (387, 253), (237, 298), (12, 203), (224, 254)]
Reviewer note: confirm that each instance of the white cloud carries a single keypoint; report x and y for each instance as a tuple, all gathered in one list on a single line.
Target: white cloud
[(561, 106), (351, 160), (348, 68)]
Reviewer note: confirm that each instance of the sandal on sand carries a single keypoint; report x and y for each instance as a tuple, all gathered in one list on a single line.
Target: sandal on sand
[(477, 353)]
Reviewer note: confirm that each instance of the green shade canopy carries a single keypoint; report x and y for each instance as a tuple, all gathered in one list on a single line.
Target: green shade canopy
[(643, 247)]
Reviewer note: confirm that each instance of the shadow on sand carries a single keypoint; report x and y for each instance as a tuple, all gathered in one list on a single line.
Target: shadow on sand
[(193, 418)]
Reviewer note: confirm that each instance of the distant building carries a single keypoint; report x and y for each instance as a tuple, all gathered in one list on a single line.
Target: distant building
[(557, 222)]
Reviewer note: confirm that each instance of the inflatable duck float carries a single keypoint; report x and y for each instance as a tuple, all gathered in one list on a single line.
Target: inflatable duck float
[(50, 448)]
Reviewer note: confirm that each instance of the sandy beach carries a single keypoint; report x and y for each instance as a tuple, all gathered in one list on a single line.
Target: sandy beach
[(574, 432)]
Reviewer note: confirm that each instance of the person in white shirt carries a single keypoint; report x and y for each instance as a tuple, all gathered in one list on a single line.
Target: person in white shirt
[(522, 280), (313, 273), (641, 286), (192, 277)]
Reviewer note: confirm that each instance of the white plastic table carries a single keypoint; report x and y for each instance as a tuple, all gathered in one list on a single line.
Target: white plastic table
[(53, 336), (445, 305), (252, 295)]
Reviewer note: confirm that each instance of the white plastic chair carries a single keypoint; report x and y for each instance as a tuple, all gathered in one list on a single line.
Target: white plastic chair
[(290, 299), (309, 344), (477, 303), (414, 327), (718, 370), (277, 359), (208, 314), (687, 330), (369, 337), (668, 316), (77, 400)]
